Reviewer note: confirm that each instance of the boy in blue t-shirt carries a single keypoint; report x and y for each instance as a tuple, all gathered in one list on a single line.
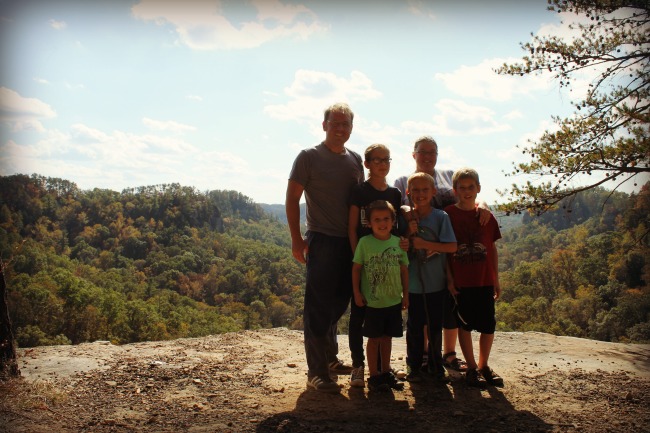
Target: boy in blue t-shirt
[(380, 283), (431, 236)]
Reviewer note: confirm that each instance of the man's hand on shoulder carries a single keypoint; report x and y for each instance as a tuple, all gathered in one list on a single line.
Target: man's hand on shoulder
[(483, 212)]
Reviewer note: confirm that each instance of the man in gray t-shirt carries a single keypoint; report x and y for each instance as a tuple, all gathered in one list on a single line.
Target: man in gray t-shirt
[(326, 174)]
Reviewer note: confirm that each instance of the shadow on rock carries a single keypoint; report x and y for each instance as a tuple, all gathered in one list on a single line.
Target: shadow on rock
[(444, 408)]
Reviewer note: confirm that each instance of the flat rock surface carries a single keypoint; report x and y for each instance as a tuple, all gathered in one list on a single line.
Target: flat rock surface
[(254, 381)]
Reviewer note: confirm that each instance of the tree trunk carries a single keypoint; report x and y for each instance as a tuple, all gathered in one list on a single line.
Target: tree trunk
[(8, 362)]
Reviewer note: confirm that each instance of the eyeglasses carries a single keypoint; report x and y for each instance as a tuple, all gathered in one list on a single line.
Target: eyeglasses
[(345, 125), (380, 160), (427, 152)]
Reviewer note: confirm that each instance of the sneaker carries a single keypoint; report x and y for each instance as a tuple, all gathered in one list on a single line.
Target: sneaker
[(441, 377), (378, 383), (491, 377), (357, 377), (413, 375), (390, 379), (474, 378), (323, 383), (337, 367)]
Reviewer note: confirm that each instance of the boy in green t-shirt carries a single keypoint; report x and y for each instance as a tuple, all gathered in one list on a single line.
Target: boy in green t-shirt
[(380, 282)]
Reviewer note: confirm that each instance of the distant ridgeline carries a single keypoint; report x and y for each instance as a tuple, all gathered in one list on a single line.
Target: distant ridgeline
[(167, 261), (279, 211)]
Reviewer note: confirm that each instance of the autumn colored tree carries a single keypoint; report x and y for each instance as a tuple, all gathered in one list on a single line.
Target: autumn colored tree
[(606, 138)]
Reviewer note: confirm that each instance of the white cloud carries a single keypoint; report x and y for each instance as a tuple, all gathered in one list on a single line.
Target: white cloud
[(41, 81), (194, 98), (118, 159), (23, 113), (374, 132), (74, 86), (128, 149), (14, 105), (455, 117), (312, 91), (480, 81), (514, 153), (57, 25), (514, 115), (201, 25), (169, 125)]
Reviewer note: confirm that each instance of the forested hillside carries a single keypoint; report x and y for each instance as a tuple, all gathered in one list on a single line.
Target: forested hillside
[(168, 261), (149, 263), (582, 270)]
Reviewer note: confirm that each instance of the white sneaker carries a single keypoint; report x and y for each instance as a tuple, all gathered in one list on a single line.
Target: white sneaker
[(357, 377)]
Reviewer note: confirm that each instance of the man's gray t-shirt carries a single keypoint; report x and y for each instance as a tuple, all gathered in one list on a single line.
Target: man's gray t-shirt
[(444, 189), (327, 178)]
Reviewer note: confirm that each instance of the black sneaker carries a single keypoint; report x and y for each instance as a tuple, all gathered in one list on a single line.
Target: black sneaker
[(338, 368), (441, 377), (413, 375), (378, 383), (474, 378), (392, 381), (323, 383), (491, 377)]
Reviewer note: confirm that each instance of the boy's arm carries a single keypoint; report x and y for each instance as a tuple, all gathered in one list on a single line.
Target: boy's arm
[(436, 247), (356, 285), (404, 276), (445, 234), (495, 268), (353, 222)]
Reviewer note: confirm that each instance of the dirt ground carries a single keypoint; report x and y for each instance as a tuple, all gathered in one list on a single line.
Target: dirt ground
[(254, 381)]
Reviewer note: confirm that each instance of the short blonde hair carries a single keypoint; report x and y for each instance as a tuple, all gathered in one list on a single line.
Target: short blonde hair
[(465, 173), (339, 107), (421, 175), (374, 147)]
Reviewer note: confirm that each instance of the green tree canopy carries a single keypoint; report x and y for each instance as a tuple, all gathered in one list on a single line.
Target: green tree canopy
[(606, 138)]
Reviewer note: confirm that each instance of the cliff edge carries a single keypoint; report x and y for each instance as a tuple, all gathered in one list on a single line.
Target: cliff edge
[(254, 381)]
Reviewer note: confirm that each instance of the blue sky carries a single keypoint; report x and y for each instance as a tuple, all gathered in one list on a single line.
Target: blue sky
[(223, 94)]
